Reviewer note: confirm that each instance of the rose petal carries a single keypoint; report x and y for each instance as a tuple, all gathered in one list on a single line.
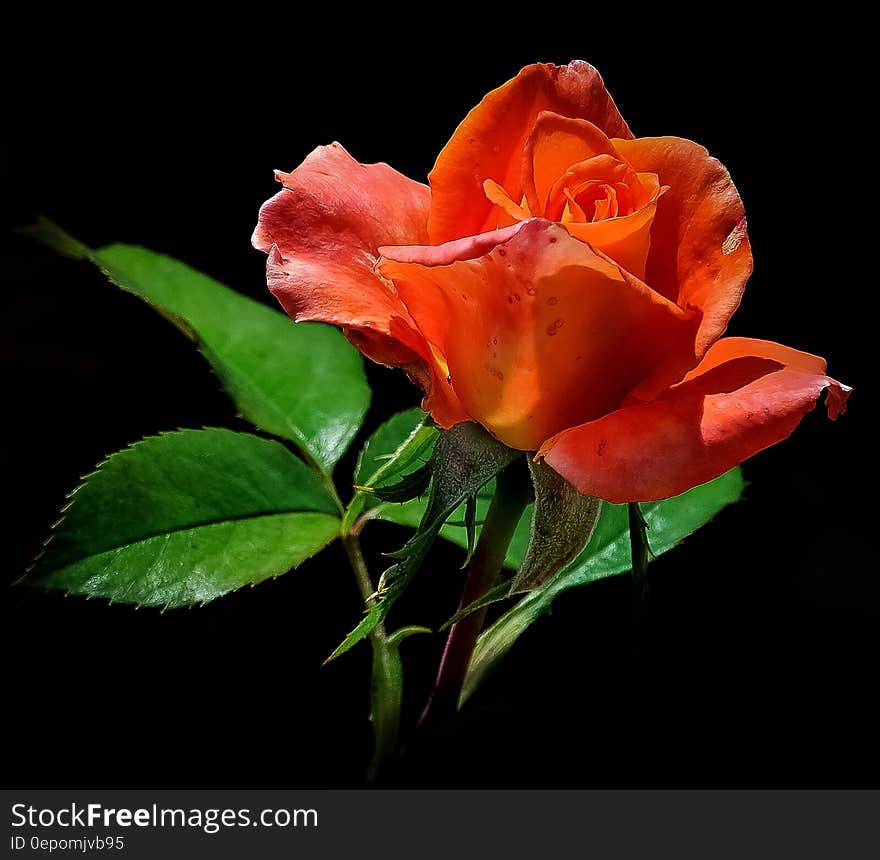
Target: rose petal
[(328, 224), (468, 248), (598, 174), (489, 142), (744, 396), (627, 240), (323, 232), (553, 146), (540, 332), (499, 197), (700, 254)]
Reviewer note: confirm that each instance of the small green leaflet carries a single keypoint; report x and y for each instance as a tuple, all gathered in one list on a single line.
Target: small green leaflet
[(395, 452), (303, 382), (184, 517), (608, 553), (399, 445)]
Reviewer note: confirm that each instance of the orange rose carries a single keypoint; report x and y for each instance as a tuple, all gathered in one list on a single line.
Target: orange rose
[(561, 283)]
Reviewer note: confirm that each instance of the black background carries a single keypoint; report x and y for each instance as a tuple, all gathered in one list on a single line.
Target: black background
[(759, 665)]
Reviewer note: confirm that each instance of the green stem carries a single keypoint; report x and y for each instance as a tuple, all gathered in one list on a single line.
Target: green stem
[(352, 545), (511, 497), (386, 684), (386, 697)]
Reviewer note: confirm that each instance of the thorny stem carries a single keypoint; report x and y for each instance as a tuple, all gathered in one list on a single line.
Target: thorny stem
[(352, 545), (511, 497)]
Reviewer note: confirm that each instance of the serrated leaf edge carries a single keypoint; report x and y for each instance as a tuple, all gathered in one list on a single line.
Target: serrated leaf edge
[(69, 499)]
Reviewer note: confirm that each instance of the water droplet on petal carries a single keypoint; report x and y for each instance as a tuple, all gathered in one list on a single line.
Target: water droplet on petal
[(552, 300)]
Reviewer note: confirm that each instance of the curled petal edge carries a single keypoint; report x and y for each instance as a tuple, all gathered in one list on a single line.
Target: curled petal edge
[(724, 412)]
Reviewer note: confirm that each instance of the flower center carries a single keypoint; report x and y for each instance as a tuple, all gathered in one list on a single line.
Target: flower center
[(597, 189), (595, 201)]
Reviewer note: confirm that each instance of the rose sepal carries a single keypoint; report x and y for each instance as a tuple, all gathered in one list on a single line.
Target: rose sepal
[(562, 524), (465, 458)]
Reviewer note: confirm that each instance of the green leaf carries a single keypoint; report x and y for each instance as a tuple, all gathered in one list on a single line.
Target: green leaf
[(608, 553), (402, 441), (403, 444), (562, 523), (465, 458), (303, 382), (184, 517), (410, 486)]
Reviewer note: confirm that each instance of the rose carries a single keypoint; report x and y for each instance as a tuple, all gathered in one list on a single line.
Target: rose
[(561, 283)]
